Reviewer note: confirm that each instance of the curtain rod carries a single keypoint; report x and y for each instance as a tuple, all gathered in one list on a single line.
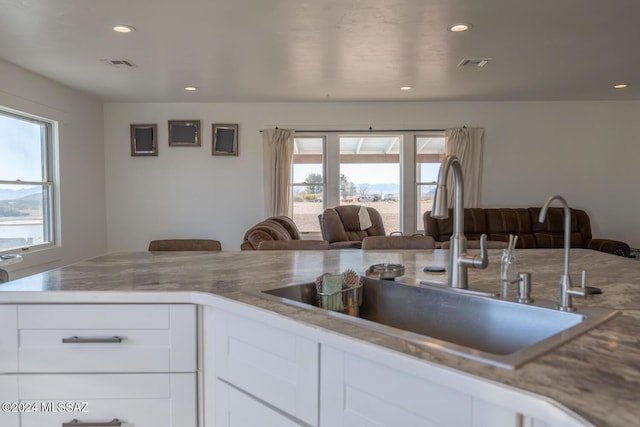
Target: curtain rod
[(367, 130)]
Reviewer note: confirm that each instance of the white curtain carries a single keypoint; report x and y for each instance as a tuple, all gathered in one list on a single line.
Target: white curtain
[(279, 144), (466, 144)]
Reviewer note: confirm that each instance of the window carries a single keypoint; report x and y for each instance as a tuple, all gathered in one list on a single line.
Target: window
[(374, 169), (370, 175), (429, 155), (307, 183), (26, 185)]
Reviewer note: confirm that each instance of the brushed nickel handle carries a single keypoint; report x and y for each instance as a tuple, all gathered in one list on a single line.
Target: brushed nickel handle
[(90, 340), (76, 423)]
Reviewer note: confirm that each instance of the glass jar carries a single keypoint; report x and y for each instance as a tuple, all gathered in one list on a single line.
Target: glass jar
[(508, 270)]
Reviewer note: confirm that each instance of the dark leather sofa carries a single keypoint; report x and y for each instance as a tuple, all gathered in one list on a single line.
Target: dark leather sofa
[(498, 223)]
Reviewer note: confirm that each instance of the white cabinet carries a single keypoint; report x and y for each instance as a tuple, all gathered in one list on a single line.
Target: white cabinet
[(8, 338), (124, 364), (273, 366), (9, 415), (358, 392), (238, 409), (140, 400)]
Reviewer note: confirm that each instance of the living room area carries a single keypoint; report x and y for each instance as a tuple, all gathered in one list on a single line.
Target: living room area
[(531, 150), (571, 137)]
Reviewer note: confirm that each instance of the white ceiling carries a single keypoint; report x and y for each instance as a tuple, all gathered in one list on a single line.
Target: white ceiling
[(339, 50)]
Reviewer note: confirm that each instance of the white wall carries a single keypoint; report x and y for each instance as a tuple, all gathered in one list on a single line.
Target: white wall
[(81, 165), (584, 151)]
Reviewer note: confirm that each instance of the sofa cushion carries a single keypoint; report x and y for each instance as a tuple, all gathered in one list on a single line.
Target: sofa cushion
[(553, 222), (502, 222), (509, 221), (556, 240), (550, 233), (475, 224)]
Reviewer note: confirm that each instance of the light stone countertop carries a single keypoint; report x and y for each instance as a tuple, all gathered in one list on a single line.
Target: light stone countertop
[(597, 375)]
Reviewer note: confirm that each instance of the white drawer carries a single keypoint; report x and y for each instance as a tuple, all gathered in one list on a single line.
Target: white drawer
[(140, 400), (106, 338)]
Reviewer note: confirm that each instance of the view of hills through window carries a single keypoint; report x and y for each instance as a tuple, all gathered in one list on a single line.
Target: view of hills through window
[(24, 190)]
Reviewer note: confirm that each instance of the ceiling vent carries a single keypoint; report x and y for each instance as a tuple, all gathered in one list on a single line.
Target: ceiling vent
[(119, 63), (474, 62)]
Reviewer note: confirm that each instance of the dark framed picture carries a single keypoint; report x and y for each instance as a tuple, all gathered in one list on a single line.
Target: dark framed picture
[(225, 139), (144, 140), (184, 133)]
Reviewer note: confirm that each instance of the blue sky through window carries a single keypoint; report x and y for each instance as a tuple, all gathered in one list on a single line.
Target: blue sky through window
[(20, 150)]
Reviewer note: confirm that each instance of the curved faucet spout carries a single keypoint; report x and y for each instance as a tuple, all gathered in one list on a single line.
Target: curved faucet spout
[(567, 228), (459, 260), (566, 290)]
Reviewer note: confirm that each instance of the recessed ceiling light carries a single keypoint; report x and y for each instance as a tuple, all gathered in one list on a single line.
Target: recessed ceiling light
[(406, 88), (457, 28), (190, 88), (621, 86), (123, 28)]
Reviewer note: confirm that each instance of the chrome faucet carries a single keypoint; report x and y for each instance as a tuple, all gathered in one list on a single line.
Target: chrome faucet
[(566, 290), (459, 259)]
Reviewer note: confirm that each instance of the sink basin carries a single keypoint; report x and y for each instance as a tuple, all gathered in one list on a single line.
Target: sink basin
[(498, 332)]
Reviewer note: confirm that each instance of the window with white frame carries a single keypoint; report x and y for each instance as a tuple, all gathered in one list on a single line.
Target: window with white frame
[(370, 170), (373, 169), (307, 183), (26, 182), (429, 154)]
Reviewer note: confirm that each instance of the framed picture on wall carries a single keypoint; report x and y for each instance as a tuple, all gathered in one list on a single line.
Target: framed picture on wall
[(144, 140), (225, 140), (184, 133)]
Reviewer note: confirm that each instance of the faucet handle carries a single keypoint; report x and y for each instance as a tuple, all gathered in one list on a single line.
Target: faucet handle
[(484, 255), (481, 262)]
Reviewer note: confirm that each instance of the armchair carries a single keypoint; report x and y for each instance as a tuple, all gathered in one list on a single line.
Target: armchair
[(341, 226)]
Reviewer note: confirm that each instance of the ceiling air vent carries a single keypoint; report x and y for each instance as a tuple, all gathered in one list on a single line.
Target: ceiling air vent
[(119, 63), (474, 62)]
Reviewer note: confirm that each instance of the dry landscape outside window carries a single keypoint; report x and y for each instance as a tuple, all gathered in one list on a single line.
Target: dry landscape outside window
[(369, 172)]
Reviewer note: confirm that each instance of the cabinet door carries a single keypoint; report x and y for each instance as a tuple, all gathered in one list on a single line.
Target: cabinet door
[(238, 409), (9, 415), (8, 339), (358, 392), (274, 365), (140, 400), (107, 338)]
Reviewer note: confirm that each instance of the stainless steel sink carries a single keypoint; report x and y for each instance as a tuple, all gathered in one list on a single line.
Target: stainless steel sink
[(498, 332)]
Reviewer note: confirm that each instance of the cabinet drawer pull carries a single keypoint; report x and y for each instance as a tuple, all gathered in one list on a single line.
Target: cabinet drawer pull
[(75, 423), (80, 340)]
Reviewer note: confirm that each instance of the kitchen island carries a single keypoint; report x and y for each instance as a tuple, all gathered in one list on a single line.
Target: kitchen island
[(596, 376)]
